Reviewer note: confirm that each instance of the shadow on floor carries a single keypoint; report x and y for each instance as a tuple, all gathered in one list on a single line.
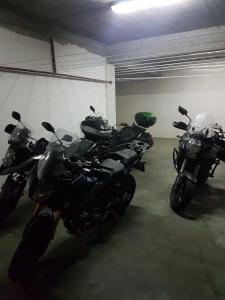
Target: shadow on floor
[(207, 200), (52, 269), (18, 217), (62, 260)]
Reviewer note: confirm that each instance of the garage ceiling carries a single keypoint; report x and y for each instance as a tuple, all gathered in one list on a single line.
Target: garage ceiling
[(95, 20)]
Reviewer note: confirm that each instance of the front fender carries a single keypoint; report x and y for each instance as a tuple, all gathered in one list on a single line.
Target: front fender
[(190, 176)]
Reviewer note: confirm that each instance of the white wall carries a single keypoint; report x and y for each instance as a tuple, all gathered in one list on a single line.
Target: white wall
[(62, 102), (163, 96), (19, 51)]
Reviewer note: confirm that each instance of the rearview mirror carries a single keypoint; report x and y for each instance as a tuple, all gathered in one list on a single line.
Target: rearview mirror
[(16, 116), (92, 109), (9, 128), (182, 110), (67, 138), (48, 127)]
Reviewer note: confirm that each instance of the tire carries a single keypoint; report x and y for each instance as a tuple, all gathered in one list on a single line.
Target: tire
[(181, 193), (36, 239), (121, 196), (9, 196), (124, 194)]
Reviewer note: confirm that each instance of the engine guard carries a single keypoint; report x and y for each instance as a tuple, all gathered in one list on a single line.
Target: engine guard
[(175, 159)]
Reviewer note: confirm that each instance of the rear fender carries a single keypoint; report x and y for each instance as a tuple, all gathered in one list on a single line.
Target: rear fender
[(140, 166), (147, 138)]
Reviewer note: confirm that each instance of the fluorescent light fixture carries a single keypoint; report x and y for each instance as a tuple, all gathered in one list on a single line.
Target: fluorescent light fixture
[(136, 5)]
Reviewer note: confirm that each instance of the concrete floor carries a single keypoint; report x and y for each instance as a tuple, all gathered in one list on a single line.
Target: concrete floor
[(150, 254)]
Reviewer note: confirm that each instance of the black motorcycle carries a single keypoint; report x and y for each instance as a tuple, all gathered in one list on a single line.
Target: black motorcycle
[(196, 158), (17, 162), (97, 130), (83, 193)]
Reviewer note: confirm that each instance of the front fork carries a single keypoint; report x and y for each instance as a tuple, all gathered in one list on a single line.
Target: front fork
[(191, 176), (56, 215)]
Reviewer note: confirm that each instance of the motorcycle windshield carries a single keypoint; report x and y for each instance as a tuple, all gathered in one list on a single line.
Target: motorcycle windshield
[(19, 136), (51, 165), (18, 150), (203, 124)]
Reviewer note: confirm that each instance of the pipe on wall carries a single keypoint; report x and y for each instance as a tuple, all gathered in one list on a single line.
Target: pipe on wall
[(167, 77), (50, 74)]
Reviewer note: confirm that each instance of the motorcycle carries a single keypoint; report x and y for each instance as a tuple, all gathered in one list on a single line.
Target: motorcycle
[(97, 130), (16, 164), (196, 158), (83, 193)]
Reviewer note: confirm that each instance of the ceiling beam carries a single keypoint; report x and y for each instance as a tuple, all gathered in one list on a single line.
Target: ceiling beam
[(180, 43)]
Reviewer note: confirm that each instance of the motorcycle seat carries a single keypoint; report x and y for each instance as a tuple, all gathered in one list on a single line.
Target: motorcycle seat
[(129, 133), (126, 156), (116, 166)]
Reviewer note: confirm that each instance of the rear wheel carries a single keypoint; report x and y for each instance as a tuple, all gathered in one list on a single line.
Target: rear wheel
[(124, 193), (36, 238), (121, 195), (10, 194), (181, 193)]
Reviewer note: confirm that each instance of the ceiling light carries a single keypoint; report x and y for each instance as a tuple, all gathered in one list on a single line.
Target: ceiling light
[(136, 5)]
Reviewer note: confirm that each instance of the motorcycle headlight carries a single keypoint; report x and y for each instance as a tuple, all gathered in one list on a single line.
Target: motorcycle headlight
[(193, 148), (9, 158)]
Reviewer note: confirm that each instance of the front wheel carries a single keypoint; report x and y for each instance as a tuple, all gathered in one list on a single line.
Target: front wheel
[(10, 194), (36, 238), (181, 193)]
